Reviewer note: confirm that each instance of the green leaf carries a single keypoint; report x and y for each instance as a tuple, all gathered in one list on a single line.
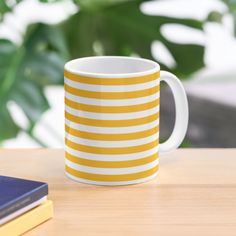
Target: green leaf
[(189, 58), (80, 34), (26, 70), (4, 7), (31, 99), (8, 129), (122, 29), (101, 27), (7, 54), (7, 6)]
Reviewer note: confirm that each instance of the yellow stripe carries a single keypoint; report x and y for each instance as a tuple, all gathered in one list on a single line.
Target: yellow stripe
[(111, 150), (98, 177), (111, 123), (112, 95), (111, 164), (111, 137), (111, 81), (112, 109)]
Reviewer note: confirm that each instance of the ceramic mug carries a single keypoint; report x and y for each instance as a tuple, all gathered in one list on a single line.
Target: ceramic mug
[(112, 110)]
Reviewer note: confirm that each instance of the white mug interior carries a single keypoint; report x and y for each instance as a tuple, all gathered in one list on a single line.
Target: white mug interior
[(112, 66)]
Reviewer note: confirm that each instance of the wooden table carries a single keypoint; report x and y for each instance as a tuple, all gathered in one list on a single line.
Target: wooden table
[(194, 194)]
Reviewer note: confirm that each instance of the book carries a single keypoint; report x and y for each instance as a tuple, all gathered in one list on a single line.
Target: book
[(22, 211), (28, 220), (16, 194)]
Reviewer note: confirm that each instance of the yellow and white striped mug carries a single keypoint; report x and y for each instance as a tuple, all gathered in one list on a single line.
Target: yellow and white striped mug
[(112, 110)]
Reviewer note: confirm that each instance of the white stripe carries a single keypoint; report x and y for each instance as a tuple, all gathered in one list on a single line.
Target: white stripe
[(112, 171), (114, 157), (111, 144), (109, 88), (111, 130), (112, 102), (111, 183), (112, 116)]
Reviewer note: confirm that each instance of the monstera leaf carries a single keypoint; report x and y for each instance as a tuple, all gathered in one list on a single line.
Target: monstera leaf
[(101, 27), (25, 71), (120, 28)]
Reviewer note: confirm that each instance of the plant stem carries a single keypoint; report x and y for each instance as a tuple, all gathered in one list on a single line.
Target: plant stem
[(51, 131), (37, 140)]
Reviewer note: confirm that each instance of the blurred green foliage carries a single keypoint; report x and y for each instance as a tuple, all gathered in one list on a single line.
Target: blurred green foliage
[(232, 10), (25, 71), (102, 27)]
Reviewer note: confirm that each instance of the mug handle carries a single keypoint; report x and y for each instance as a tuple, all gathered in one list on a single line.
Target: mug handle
[(181, 110)]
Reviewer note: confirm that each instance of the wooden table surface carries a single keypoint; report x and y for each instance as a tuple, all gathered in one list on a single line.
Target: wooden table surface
[(194, 194)]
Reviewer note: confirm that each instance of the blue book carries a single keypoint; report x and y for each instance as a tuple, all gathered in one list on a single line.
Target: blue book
[(16, 194)]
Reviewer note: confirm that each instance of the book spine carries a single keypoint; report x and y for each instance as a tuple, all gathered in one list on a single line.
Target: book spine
[(24, 201), (29, 220)]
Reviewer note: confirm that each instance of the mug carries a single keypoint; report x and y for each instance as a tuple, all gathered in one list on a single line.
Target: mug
[(112, 113)]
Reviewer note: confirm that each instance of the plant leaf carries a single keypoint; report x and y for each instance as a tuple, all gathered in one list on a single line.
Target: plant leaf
[(25, 70), (7, 6), (8, 128), (122, 29)]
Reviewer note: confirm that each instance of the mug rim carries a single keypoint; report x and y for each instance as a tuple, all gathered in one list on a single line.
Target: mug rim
[(155, 67)]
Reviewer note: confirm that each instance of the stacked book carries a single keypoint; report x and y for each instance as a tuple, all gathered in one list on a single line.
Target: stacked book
[(23, 205)]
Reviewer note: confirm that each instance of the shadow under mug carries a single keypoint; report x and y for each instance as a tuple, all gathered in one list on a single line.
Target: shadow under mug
[(112, 110)]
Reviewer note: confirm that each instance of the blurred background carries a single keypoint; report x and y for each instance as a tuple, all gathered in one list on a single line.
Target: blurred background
[(195, 39)]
